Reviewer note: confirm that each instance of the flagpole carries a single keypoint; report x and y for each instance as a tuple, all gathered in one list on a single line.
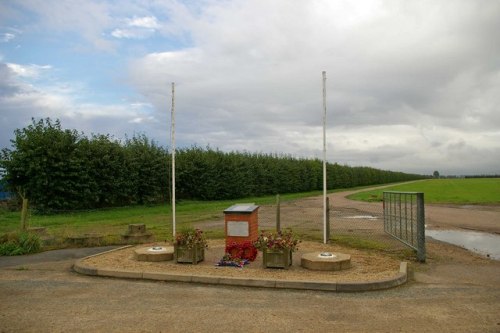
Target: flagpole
[(324, 159), (172, 133)]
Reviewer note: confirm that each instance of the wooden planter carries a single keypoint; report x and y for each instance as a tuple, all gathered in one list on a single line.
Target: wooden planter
[(182, 254), (277, 258)]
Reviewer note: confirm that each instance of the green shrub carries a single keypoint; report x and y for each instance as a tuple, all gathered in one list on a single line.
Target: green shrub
[(18, 243)]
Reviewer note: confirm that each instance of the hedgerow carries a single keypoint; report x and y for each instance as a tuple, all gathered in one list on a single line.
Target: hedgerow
[(59, 169)]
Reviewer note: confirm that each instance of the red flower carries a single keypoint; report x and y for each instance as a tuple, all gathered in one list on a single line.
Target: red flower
[(245, 250)]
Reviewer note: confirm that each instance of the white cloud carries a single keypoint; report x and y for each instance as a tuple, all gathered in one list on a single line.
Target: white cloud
[(6, 37), (124, 33), (137, 28), (147, 22), (10, 33), (86, 19), (21, 99), (28, 71)]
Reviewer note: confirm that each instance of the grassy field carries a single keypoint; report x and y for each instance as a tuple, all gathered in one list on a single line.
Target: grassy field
[(112, 223), (469, 191)]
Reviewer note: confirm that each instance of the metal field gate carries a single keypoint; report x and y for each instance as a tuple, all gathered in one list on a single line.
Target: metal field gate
[(404, 219)]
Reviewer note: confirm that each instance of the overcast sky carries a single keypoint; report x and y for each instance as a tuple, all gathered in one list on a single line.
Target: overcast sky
[(412, 86)]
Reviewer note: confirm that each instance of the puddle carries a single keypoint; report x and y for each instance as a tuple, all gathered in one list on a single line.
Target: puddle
[(367, 217), (479, 242)]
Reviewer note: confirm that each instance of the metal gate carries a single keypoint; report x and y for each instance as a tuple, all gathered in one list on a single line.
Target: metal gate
[(404, 219)]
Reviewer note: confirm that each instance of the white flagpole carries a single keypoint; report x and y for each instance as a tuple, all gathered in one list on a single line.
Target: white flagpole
[(172, 133), (324, 159)]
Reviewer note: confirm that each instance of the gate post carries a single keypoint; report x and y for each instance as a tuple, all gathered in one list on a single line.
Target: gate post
[(420, 227)]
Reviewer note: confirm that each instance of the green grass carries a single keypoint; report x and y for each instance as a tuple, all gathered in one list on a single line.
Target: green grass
[(113, 222), (469, 191), (359, 243), (18, 243), (157, 218)]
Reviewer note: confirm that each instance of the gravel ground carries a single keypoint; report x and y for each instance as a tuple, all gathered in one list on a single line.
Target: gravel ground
[(455, 291), (365, 266)]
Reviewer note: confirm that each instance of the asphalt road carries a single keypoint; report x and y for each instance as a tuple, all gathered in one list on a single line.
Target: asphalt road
[(41, 293), (52, 256)]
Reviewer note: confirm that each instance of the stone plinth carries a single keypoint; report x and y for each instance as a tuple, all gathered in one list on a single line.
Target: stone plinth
[(85, 240), (137, 234), (41, 232), (326, 261), (154, 253), (136, 229)]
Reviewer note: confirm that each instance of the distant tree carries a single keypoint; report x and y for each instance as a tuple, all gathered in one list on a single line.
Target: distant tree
[(436, 174)]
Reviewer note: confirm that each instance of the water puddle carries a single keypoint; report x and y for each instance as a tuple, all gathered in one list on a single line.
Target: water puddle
[(360, 217), (479, 242)]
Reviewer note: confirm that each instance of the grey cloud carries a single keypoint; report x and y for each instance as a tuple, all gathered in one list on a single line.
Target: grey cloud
[(415, 64), (412, 86), (7, 84)]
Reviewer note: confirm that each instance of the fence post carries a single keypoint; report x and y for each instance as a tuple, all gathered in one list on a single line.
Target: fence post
[(278, 217), (420, 227), (327, 219), (24, 215)]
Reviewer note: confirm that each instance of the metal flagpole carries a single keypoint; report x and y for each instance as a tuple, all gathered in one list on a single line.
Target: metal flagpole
[(324, 158), (172, 133)]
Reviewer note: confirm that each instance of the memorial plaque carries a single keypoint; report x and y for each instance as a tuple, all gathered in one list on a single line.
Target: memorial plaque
[(241, 208), (237, 228)]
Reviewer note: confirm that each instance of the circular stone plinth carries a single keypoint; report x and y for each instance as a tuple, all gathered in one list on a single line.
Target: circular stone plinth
[(154, 253), (325, 261)]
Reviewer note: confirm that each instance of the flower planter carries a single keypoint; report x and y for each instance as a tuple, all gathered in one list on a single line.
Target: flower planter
[(193, 255), (278, 258)]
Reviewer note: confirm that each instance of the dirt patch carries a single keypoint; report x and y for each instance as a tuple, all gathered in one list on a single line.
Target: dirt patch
[(365, 266), (484, 218)]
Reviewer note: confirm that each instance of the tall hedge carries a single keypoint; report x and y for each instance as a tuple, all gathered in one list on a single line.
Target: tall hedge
[(61, 169), (46, 166), (208, 174)]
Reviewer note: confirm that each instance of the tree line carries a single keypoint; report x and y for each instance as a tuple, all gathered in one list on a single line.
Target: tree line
[(61, 169)]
